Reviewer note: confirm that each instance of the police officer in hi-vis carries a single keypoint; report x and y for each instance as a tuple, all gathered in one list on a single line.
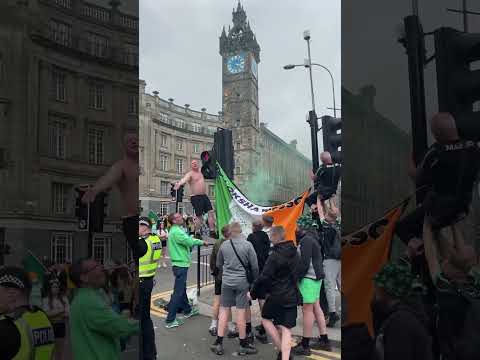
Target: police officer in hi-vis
[(147, 267), (26, 332)]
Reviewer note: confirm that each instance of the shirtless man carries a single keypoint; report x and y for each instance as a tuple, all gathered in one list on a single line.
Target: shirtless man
[(124, 174), (199, 199)]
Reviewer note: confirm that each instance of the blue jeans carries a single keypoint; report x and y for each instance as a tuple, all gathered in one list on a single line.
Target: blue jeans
[(179, 298)]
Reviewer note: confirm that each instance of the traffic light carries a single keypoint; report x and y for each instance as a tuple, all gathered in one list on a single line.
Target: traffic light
[(209, 170), (98, 213), (180, 193), (223, 150), (332, 140), (172, 191), (458, 81), (81, 211)]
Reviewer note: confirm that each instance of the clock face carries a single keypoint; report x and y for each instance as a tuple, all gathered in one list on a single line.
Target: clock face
[(236, 64), (254, 68)]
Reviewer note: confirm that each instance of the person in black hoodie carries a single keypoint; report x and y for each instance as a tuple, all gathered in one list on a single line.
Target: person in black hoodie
[(310, 274), (399, 320), (277, 283), (261, 243)]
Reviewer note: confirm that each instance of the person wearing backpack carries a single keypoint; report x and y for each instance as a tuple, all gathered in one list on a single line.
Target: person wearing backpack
[(332, 266), (457, 290)]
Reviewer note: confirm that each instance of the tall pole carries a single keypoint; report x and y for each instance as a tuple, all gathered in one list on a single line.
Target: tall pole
[(333, 88), (465, 16), (310, 72)]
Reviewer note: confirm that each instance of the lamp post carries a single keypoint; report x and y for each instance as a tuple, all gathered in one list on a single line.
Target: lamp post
[(307, 62)]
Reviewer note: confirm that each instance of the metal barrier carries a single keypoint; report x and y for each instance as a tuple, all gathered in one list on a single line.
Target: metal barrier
[(204, 276)]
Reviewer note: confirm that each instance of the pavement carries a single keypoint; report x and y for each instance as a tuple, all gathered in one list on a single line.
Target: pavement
[(192, 340)]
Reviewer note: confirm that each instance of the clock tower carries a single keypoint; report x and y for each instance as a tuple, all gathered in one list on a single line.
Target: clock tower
[(240, 56)]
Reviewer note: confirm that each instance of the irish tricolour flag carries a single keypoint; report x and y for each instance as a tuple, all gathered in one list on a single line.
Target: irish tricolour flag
[(232, 205)]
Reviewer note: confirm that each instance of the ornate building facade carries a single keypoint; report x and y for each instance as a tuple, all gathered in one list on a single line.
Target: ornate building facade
[(267, 169), (68, 93)]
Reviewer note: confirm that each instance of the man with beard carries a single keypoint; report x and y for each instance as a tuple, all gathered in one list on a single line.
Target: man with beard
[(399, 321), (124, 174)]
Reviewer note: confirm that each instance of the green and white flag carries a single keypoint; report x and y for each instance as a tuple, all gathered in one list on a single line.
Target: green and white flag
[(233, 206)]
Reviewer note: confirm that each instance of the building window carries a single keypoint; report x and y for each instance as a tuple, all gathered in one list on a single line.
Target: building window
[(163, 209), (64, 3), (61, 247), (180, 123), (211, 190), (196, 148), (102, 246), (164, 117), (60, 32), (57, 139), (164, 140), (238, 144), (164, 188), (212, 130), (59, 91), (179, 145), (97, 45), (179, 165), (164, 162), (96, 96), (60, 193), (130, 55), (197, 127), (95, 146), (132, 104)]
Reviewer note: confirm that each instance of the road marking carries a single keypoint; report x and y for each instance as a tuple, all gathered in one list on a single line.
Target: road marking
[(324, 355)]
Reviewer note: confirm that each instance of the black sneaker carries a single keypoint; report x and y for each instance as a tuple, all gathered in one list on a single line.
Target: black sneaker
[(299, 349), (248, 349), (332, 319), (251, 338), (232, 334), (217, 349), (262, 338), (322, 345), (213, 331)]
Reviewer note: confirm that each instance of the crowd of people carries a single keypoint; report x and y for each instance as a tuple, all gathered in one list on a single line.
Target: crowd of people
[(427, 303)]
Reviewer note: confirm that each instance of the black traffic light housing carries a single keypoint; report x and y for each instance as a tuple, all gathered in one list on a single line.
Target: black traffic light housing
[(98, 212), (331, 140), (81, 210), (177, 195), (223, 151), (209, 170), (458, 84)]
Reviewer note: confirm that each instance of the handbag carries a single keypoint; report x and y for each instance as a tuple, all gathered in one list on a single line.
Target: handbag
[(248, 271)]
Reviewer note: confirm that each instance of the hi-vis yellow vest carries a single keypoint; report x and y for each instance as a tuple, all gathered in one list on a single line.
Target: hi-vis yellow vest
[(147, 264), (37, 341)]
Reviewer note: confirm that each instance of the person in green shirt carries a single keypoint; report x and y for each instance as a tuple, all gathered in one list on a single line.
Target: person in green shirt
[(95, 328), (179, 246)]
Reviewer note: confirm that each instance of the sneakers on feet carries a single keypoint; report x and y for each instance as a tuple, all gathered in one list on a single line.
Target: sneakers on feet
[(217, 349), (332, 319), (250, 338), (192, 312), (232, 334), (213, 331), (262, 338), (321, 345), (173, 324), (248, 349), (299, 349)]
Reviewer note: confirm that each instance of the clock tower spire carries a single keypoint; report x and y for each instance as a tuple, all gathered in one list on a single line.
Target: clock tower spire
[(240, 56)]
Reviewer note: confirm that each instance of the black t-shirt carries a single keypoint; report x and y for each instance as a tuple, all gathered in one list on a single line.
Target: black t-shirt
[(328, 177), (10, 344), (450, 169)]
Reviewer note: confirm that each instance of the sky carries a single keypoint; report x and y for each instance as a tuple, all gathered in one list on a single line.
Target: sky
[(179, 47)]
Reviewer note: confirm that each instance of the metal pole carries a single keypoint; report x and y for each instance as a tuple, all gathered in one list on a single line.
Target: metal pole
[(465, 16), (90, 232), (415, 7), (310, 72), (198, 271), (333, 88)]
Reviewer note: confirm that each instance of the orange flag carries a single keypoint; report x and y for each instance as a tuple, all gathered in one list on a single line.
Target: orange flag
[(363, 254)]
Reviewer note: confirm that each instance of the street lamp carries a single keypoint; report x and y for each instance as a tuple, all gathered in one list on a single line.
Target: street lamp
[(306, 65)]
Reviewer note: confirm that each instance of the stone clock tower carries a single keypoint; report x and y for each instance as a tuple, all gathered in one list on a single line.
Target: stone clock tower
[(240, 57)]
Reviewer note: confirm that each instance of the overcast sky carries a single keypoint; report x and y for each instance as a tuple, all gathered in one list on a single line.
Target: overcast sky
[(180, 58)]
